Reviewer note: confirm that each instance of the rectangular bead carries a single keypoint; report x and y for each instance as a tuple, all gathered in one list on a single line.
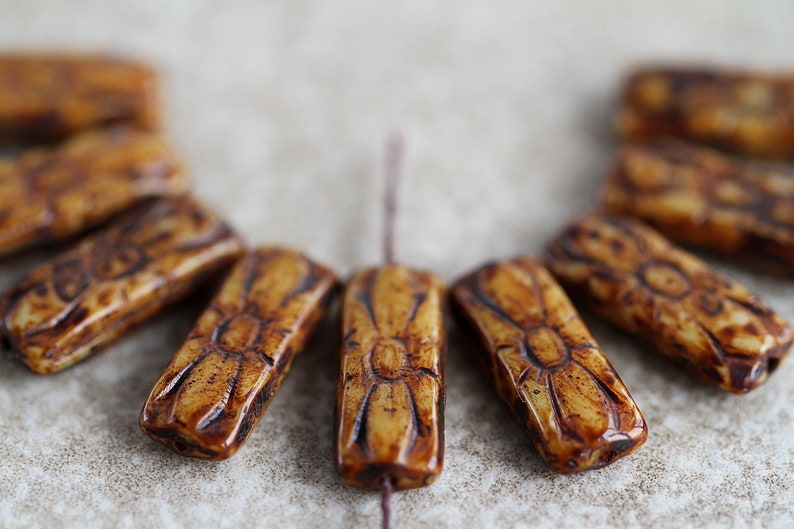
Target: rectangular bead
[(52, 193), (62, 311), (546, 366), (743, 112), (221, 380), (700, 197), (390, 393), (703, 320), (49, 96)]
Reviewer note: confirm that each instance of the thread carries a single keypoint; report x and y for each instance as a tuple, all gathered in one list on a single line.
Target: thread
[(385, 501), (395, 147)]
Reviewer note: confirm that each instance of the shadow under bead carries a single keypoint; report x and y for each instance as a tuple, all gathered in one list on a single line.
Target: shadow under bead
[(65, 309), (216, 387), (50, 194), (703, 320), (47, 97), (546, 366)]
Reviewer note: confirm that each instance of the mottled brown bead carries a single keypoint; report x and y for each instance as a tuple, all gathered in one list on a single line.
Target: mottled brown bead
[(696, 316), (49, 194), (215, 389), (50, 96), (390, 393), (697, 196), (743, 112), (85, 297), (547, 367)]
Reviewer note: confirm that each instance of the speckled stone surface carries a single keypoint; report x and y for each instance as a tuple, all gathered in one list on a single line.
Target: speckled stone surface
[(281, 109)]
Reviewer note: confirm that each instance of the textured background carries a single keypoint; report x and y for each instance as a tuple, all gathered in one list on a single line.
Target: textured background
[(281, 109)]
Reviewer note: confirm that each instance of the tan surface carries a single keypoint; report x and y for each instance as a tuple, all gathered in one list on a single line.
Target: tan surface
[(281, 110)]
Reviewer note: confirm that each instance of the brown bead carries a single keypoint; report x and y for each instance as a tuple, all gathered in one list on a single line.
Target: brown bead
[(632, 276), (742, 112), (700, 197), (390, 392), (215, 389), (50, 96), (86, 297), (50, 194), (547, 367)]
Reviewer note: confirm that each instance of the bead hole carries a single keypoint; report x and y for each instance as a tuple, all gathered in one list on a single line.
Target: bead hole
[(5, 343), (772, 365)]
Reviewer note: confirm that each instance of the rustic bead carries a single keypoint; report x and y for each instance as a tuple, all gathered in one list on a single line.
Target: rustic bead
[(215, 389), (49, 194), (696, 316), (50, 96), (700, 197), (742, 112), (390, 394), (547, 367), (85, 297)]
